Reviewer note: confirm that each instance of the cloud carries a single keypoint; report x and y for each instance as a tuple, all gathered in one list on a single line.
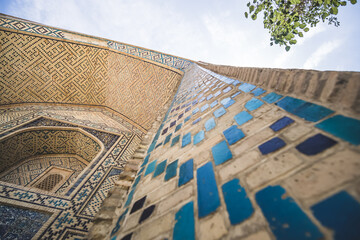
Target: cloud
[(315, 58)]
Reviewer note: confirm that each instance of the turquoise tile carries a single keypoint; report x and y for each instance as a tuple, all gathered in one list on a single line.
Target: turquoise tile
[(187, 119), (242, 117), (186, 140), (171, 170), (167, 139), (340, 213), (145, 160), (235, 94), (238, 204), (175, 140), (136, 182), (219, 112), (160, 168), (258, 92), (342, 127), (184, 228), (209, 97), (150, 168), (197, 120), (285, 217), (208, 194), (203, 108), (196, 110), (186, 172), (130, 197), (199, 137), (271, 97), (306, 110), (233, 134), (246, 87), (178, 127), (210, 124), (221, 153), (214, 103), (227, 102), (253, 104)]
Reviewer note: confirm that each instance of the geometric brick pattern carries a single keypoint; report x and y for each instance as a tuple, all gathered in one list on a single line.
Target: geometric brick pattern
[(30, 143), (41, 70)]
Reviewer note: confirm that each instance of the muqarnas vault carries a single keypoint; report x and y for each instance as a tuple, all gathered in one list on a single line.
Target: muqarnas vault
[(105, 140)]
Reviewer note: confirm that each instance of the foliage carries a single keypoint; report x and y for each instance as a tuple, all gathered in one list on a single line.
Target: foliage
[(287, 19)]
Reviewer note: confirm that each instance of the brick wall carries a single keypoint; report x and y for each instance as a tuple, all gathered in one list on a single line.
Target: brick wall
[(270, 154)]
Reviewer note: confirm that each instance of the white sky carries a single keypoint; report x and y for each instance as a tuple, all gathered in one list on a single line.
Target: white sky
[(214, 31)]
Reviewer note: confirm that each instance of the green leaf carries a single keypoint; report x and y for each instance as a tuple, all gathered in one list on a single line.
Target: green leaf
[(287, 48), (292, 42), (248, 4), (302, 26), (353, 1), (334, 10), (306, 29), (246, 14), (251, 8), (301, 34), (254, 17)]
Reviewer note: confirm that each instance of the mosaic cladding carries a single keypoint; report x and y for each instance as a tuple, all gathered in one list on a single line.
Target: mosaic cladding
[(76, 73), (252, 134), (68, 215)]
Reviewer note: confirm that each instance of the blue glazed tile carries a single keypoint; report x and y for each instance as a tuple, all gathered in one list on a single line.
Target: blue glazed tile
[(235, 94), (164, 131), (203, 108), (271, 97), (197, 120), (227, 102), (158, 145), (187, 119), (171, 170), (342, 127), (219, 112), (285, 217), (178, 127), (186, 140), (180, 116), (196, 110), (175, 140), (141, 171), (208, 194), (210, 124), (258, 92), (146, 160), (209, 97), (167, 139), (221, 153), (184, 228), (281, 123), (194, 102), (117, 225), (214, 103), (253, 104), (126, 237), (138, 205), (136, 182), (199, 137), (233, 134), (186, 172), (341, 213), (160, 168), (315, 144), (236, 82), (202, 99), (306, 110), (271, 145), (238, 205), (172, 124), (217, 93), (129, 199), (242, 117), (188, 109), (246, 87), (146, 213), (227, 89), (150, 168)]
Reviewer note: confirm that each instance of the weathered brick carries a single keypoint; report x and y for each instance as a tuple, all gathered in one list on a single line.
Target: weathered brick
[(213, 228)]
